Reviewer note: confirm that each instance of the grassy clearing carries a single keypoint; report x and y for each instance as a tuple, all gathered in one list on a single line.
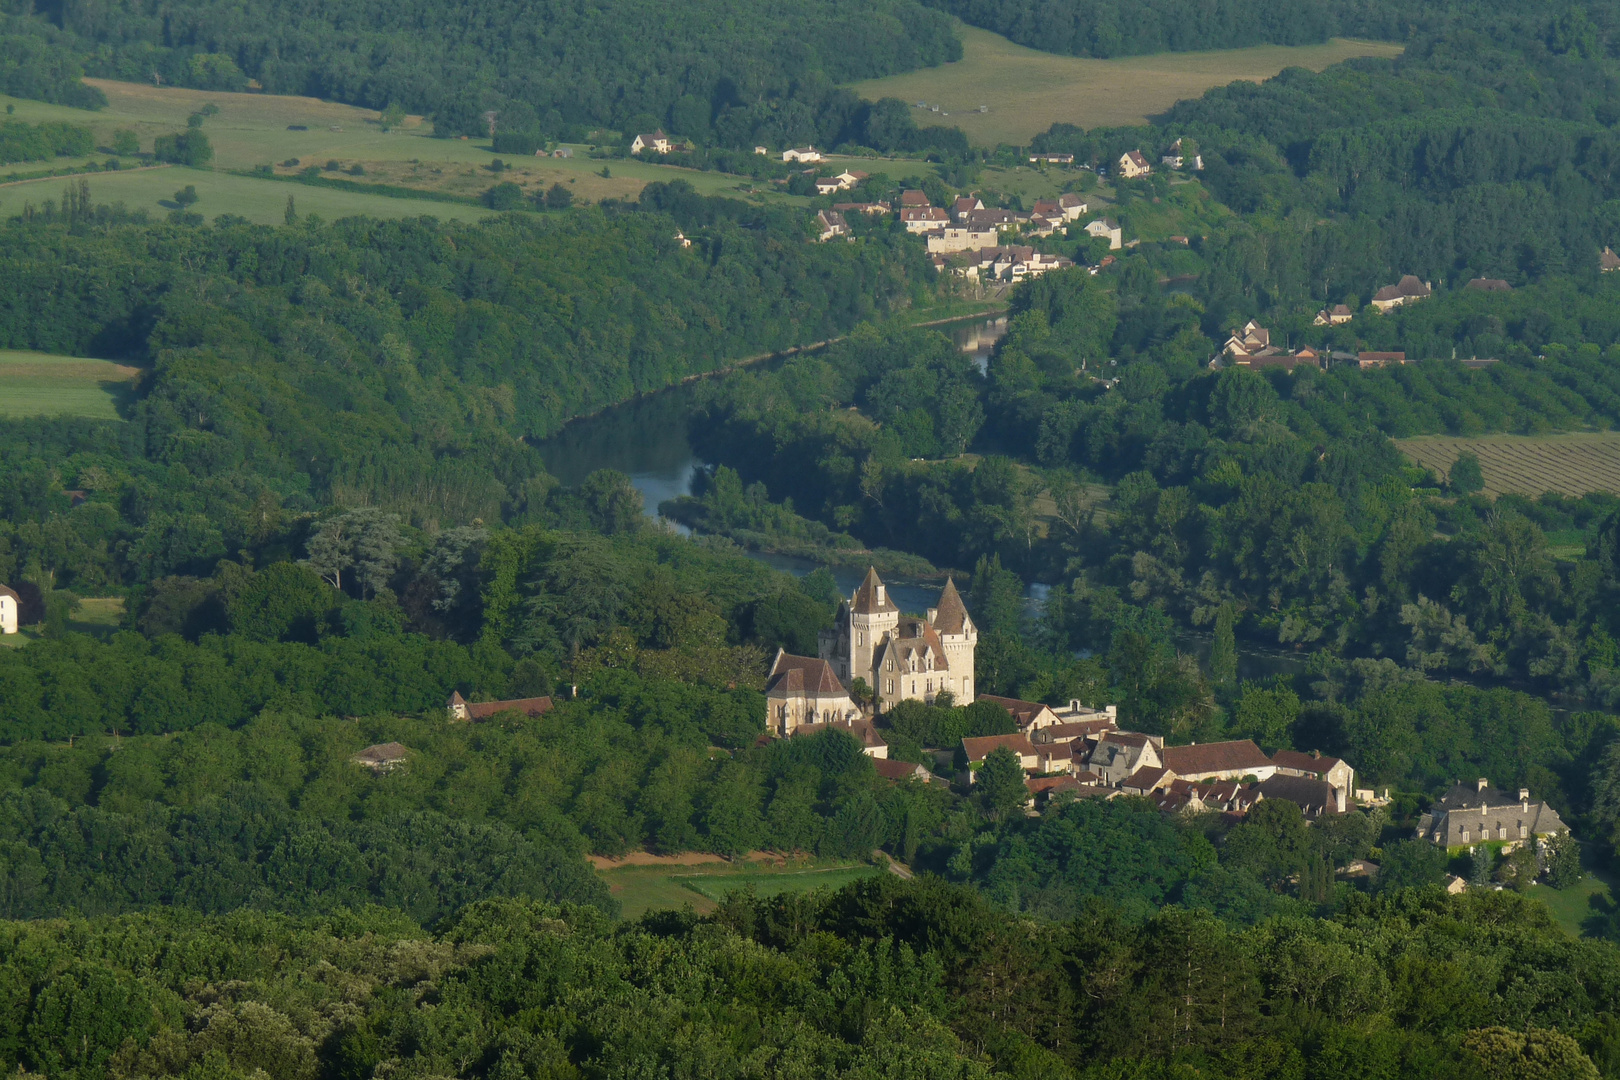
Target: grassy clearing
[(1528, 465), (251, 130), (1028, 91), (640, 889), (1578, 907), (37, 384)]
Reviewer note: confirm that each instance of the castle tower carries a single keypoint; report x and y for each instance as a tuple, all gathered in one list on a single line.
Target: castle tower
[(873, 616), (960, 638)]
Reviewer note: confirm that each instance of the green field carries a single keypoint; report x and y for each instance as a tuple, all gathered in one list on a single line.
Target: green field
[(1028, 91), (1575, 907), (252, 130), (1528, 465), (36, 384), (640, 889)]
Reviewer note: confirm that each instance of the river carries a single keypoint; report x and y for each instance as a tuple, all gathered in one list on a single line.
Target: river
[(646, 439)]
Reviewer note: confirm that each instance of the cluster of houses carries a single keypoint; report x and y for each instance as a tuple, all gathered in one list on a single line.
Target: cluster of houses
[(967, 239), (1251, 347)]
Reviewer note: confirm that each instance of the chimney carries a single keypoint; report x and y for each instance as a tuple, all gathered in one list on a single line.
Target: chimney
[(933, 613), (1482, 783), (881, 590), (1524, 794)]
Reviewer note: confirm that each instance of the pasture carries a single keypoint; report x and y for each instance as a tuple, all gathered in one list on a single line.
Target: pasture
[(1028, 91), (38, 384), (251, 130), (677, 883), (1528, 465)]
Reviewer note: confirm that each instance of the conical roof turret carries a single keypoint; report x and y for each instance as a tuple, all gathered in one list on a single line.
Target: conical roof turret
[(951, 616), (872, 597)]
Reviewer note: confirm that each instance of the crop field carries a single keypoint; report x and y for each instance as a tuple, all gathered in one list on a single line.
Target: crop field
[(251, 130), (1028, 91), (37, 384), (640, 889), (1528, 465)]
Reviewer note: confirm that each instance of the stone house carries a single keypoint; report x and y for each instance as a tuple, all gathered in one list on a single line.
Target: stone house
[(1029, 715), (1409, 290), (1072, 206), (1480, 814), (383, 757), (1335, 772), (1231, 760), (1336, 315), (830, 224), (914, 199), (964, 206), (10, 609), (462, 709), (959, 238), (977, 749), (1119, 754), (804, 690), (922, 219), (865, 733), (806, 154)]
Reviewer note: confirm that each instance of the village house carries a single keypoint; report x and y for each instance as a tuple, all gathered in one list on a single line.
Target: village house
[(1366, 360), (1051, 159), (462, 709), (826, 185), (1488, 284), (1106, 229), (1478, 814), (964, 206), (806, 154), (1028, 715), (951, 239), (1231, 760), (10, 609), (1336, 772), (1313, 796), (1132, 165), (804, 690), (382, 758), (1333, 316), (680, 238), (657, 142), (1608, 261), (1176, 159), (903, 658), (1409, 290), (764, 151), (1119, 754), (992, 218), (889, 769), (1072, 206), (850, 178), (921, 219), (861, 207), (913, 199), (862, 729), (829, 225), (1009, 263), (977, 749)]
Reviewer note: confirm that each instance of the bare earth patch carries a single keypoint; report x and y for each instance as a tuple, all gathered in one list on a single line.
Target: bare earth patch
[(1528, 465)]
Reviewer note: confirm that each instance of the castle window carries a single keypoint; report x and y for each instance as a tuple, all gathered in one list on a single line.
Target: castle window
[(1465, 836), (1501, 832), (1522, 830)]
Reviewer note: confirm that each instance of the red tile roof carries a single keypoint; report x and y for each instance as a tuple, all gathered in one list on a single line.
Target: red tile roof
[(531, 706), (899, 770), (802, 674), (1293, 759), (977, 749)]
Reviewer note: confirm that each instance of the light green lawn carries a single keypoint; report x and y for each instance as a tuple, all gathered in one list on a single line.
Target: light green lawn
[(640, 889), (1592, 895), (1028, 91), (37, 384)]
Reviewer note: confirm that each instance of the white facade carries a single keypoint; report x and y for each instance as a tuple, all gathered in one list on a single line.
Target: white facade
[(8, 611)]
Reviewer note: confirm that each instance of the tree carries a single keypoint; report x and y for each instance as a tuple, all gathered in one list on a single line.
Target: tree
[(392, 117), (559, 197), (125, 143), (1267, 714), (186, 197), (504, 196), (1532, 1054), (290, 215), (1465, 475), (1563, 855), (1001, 782), (184, 148), (1410, 864), (1223, 653)]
